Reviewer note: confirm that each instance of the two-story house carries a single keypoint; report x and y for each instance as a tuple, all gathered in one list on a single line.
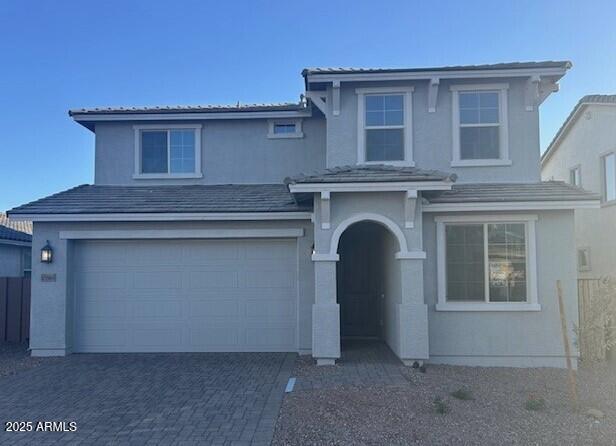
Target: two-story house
[(400, 204), (583, 153)]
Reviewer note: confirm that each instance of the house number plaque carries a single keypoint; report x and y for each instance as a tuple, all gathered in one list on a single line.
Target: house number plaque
[(48, 277)]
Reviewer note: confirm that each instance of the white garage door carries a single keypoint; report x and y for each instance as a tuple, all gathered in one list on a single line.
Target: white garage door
[(185, 295)]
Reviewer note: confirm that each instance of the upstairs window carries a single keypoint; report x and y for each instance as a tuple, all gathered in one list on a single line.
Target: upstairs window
[(609, 177), (285, 128), (167, 152), (384, 126), (480, 125), (575, 176)]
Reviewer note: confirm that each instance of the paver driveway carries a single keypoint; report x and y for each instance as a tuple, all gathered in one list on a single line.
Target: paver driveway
[(185, 398)]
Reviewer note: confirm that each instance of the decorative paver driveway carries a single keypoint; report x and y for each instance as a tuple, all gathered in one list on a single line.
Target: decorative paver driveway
[(185, 398)]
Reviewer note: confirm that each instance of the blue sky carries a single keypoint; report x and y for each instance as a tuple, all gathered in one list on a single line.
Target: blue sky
[(68, 54)]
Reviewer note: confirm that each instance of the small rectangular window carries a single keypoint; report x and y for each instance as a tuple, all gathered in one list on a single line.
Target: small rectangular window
[(575, 176), (285, 128), (583, 256), (27, 261), (384, 127), (609, 177)]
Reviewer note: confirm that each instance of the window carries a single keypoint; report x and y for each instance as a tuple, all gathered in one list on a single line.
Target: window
[(480, 125), (27, 262), (285, 128), (486, 265), (575, 176), (583, 257), (609, 177), (167, 152), (384, 126)]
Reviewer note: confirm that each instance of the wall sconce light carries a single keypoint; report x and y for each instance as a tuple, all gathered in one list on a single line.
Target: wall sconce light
[(47, 253)]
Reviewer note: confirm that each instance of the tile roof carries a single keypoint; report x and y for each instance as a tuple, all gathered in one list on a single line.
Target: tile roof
[(510, 192), (497, 66), (286, 106), (19, 231), (89, 199), (588, 99), (371, 173)]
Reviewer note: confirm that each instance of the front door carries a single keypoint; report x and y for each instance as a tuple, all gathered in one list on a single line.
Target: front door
[(359, 284)]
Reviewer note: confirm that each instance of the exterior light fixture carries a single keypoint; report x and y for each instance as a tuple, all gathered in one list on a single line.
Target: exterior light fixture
[(47, 253)]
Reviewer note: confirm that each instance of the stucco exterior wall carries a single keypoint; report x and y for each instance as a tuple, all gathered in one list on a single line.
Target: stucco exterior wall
[(433, 132), (590, 137), (233, 151), (51, 311), (509, 338), (11, 260)]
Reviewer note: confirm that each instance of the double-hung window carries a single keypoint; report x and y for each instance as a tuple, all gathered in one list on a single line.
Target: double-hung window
[(173, 151), (480, 133), (609, 176), (486, 264), (384, 126)]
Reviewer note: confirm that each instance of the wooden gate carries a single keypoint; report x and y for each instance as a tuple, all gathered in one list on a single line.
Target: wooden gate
[(14, 309)]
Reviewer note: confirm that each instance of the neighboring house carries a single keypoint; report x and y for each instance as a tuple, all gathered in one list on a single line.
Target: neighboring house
[(15, 247), (583, 153), (401, 204)]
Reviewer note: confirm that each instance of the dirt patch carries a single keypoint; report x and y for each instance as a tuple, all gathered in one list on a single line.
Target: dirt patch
[(407, 413), (15, 358)]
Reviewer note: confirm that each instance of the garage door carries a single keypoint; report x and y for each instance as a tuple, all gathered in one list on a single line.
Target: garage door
[(187, 295)]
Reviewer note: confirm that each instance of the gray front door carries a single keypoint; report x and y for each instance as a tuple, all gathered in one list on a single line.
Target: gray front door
[(359, 283)]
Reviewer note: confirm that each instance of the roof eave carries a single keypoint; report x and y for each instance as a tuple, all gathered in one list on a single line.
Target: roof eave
[(555, 72)]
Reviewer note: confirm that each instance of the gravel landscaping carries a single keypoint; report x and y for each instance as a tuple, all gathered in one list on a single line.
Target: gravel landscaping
[(15, 358), (342, 405)]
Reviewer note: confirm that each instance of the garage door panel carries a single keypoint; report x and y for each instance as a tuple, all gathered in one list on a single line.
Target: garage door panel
[(101, 280), (208, 308), (212, 279), (156, 309), (270, 310), (157, 280), (216, 295)]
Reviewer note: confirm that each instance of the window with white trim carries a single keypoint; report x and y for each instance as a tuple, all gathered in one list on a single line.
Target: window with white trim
[(480, 125), (285, 128), (575, 176), (609, 177), (27, 261), (174, 151), (384, 126), (486, 263)]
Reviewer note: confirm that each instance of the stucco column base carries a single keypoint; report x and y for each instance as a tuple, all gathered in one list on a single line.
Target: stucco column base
[(413, 332), (326, 333), (45, 352)]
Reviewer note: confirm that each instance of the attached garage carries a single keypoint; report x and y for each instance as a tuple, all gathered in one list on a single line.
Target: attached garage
[(185, 295)]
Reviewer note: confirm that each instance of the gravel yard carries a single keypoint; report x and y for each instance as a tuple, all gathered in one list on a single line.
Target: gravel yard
[(342, 405), (15, 358)]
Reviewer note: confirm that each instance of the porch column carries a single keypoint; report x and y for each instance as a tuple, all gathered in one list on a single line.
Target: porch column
[(413, 313), (325, 312)]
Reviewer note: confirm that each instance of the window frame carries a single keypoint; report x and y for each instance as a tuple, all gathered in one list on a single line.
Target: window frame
[(572, 172), (531, 303), (588, 267), (503, 125), (407, 97), (271, 123), (602, 164), (138, 129), (24, 264)]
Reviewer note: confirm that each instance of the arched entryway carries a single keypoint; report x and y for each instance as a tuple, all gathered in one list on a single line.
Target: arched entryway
[(367, 282)]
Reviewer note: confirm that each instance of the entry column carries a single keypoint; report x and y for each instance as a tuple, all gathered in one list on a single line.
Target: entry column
[(325, 311), (413, 312)]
